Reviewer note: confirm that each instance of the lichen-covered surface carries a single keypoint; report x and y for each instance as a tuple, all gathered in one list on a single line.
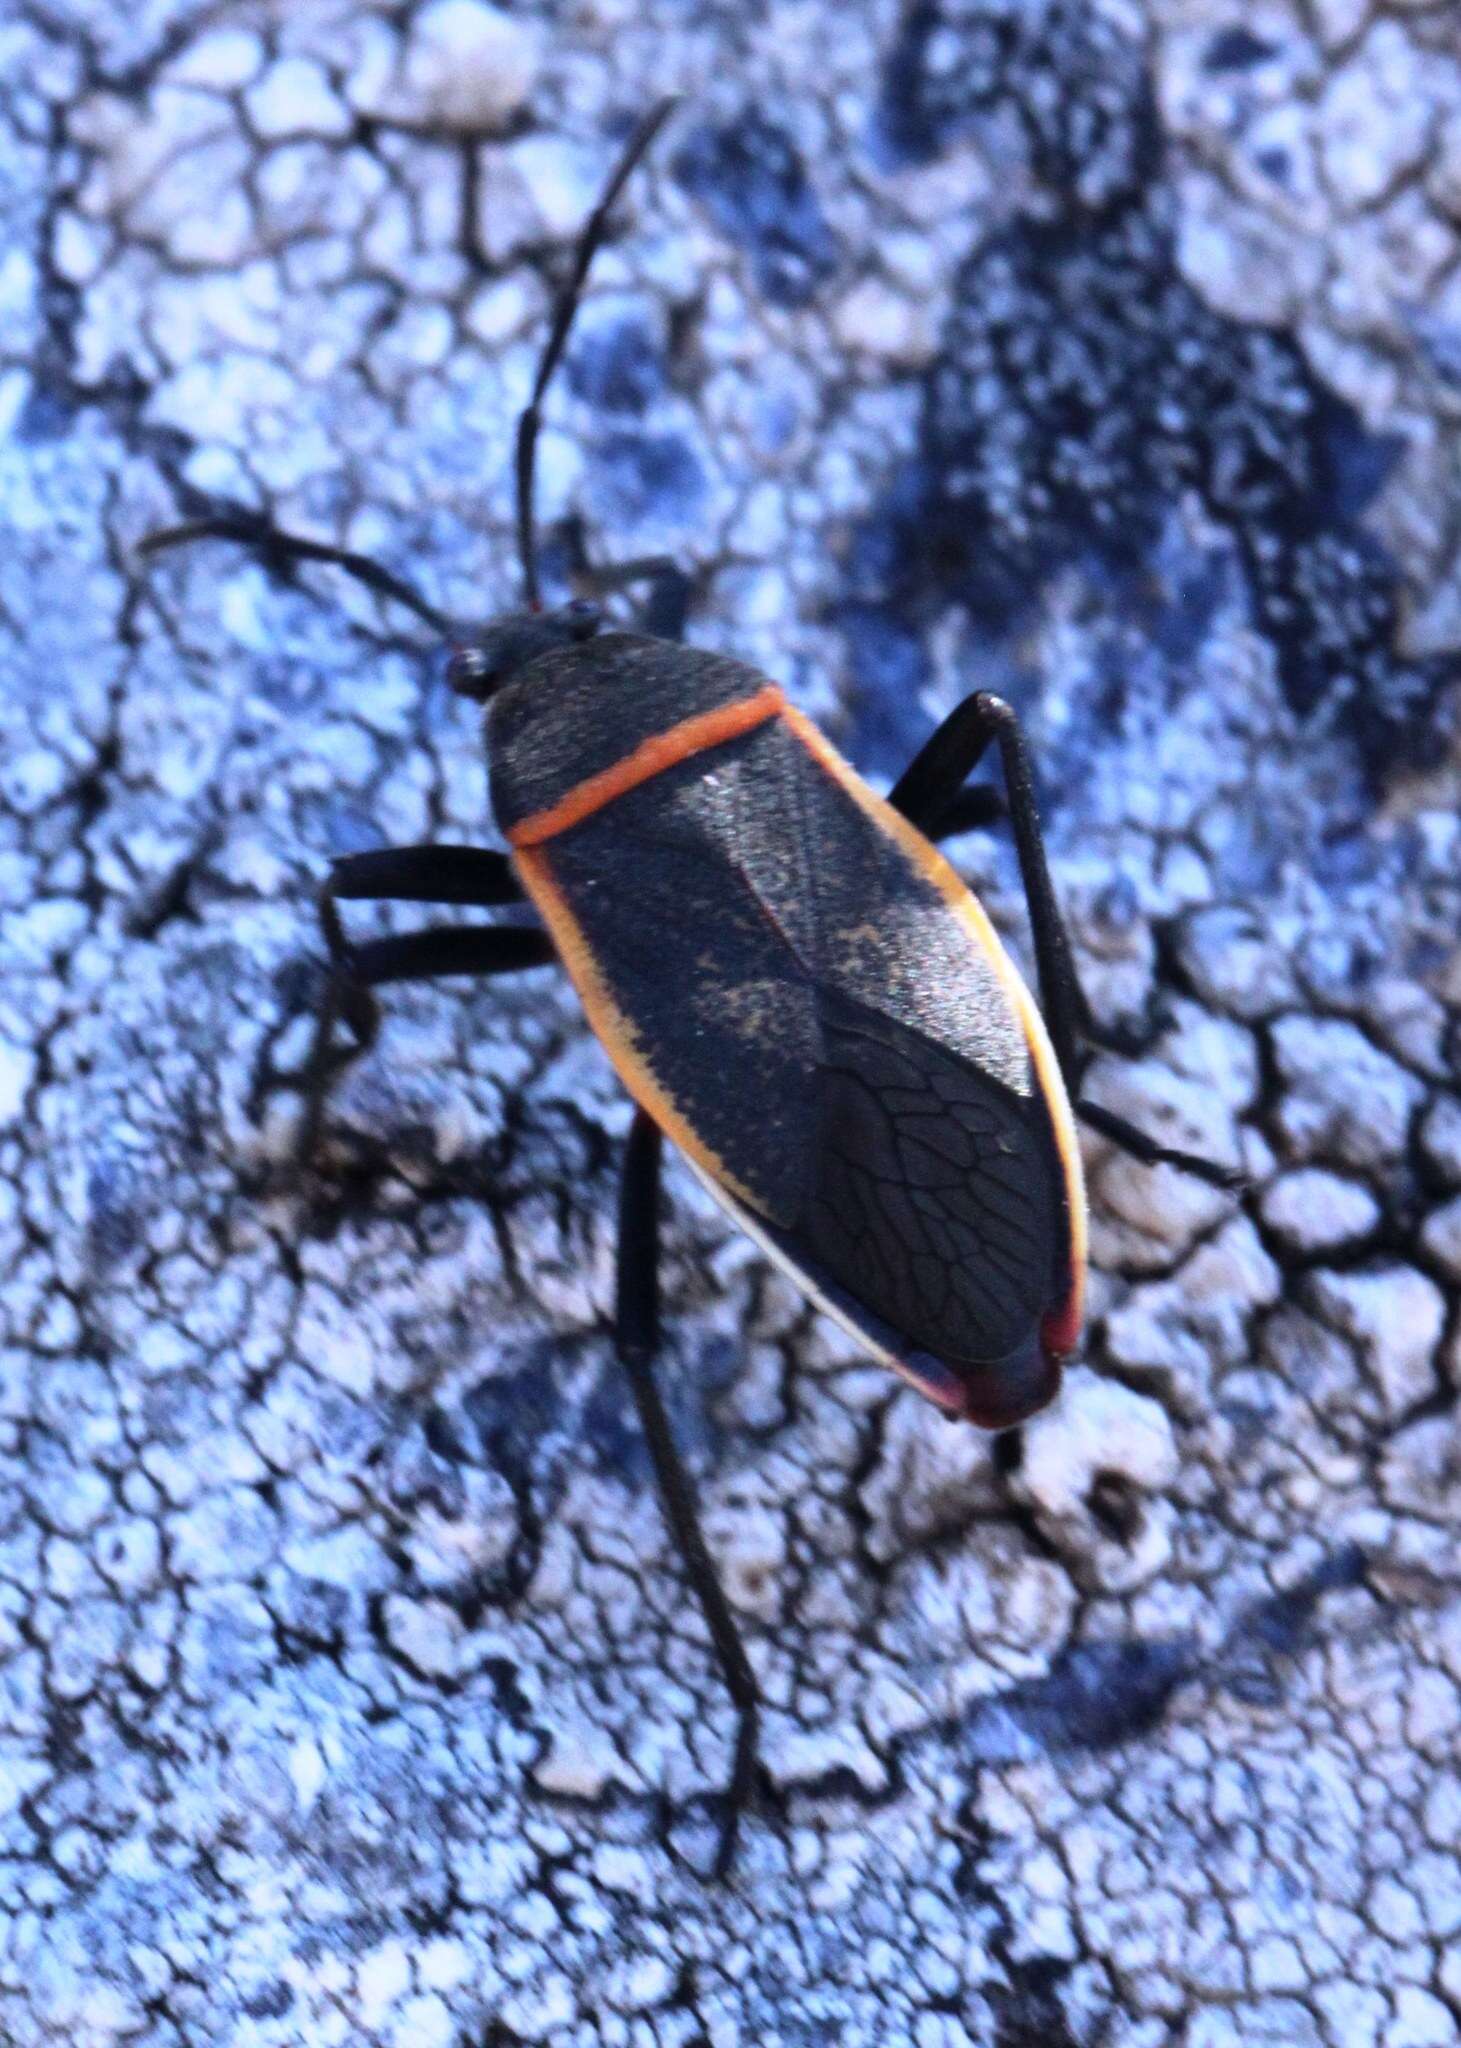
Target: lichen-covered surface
[(348, 1690)]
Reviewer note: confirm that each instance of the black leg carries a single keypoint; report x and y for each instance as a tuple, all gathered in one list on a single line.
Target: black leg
[(478, 949), (668, 604), (602, 581), (636, 1334), (426, 874), (972, 810), (415, 874), (279, 551), (924, 793), (405, 874), (411, 956)]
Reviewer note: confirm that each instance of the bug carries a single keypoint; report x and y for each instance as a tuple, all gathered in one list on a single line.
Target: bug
[(817, 1012)]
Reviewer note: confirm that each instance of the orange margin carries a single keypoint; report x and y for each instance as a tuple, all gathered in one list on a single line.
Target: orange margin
[(651, 757)]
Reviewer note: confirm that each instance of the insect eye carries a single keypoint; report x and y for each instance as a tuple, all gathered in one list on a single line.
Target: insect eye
[(467, 671)]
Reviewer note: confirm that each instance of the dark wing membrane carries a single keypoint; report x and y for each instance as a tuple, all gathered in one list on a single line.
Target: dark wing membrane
[(719, 1003), (932, 1189), (832, 1034)]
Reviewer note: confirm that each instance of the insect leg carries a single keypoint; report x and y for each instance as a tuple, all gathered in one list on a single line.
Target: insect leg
[(589, 581), (667, 606), (426, 874), (668, 603), (403, 874), (972, 810), (924, 793), (409, 956), (931, 782), (279, 550), (450, 949), (399, 874), (636, 1336)]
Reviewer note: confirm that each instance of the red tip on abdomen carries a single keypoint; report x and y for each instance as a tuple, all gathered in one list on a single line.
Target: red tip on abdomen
[(1060, 1328)]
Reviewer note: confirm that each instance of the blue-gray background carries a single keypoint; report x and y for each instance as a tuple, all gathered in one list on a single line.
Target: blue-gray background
[(1110, 356)]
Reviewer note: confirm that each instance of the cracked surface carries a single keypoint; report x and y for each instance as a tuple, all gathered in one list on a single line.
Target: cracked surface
[(348, 1690)]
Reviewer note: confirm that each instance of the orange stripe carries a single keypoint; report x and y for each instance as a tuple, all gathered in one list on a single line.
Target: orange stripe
[(651, 757), (613, 1029), (1061, 1326)]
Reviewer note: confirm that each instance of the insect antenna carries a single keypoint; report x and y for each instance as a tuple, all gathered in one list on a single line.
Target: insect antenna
[(593, 234), (277, 549)]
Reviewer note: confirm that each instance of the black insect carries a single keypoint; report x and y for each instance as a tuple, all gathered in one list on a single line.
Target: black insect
[(794, 985)]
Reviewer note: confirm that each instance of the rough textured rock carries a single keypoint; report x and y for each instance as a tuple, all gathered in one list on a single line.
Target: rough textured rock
[(348, 1688)]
